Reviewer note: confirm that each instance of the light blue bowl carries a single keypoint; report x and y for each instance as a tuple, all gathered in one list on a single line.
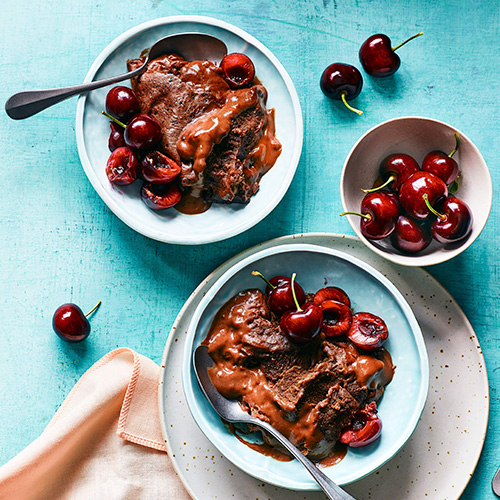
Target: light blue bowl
[(369, 291)]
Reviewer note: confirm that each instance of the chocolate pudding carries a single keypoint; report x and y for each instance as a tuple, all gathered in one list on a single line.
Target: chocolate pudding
[(309, 393), (223, 139)]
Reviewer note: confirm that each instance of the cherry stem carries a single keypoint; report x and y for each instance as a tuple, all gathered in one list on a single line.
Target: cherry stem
[(269, 284), (378, 188), (114, 119), (344, 100), (406, 41), (294, 275), (365, 216), (94, 309), (457, 144), (441, 217)]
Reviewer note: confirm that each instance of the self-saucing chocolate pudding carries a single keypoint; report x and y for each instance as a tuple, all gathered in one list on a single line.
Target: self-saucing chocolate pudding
[(223, 139), (309, 392)]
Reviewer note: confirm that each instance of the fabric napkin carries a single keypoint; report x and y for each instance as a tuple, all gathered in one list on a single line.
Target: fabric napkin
[(104, 442)]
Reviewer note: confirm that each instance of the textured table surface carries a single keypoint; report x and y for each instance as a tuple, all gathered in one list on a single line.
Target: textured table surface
[(60, 243)]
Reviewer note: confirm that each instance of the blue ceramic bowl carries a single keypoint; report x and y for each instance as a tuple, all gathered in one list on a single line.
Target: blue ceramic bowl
[(404, 399)]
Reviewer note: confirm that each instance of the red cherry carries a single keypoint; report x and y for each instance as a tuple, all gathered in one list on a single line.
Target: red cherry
[(121, 167), (116, 139), (158, 168), (441, 164), (238, 70), (122, 103), (160, 196), (409, 237), (279, 293), (364, 429), (454, 221), (331, 293), (378, 57), (337, 318), (419, 187), (71, 324), (379, 213), (342, 82), (368, 332), (142, 132), (394, 170)]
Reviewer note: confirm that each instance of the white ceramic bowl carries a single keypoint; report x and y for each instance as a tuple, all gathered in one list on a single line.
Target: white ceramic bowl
[(221, 221), (403, 401), (416, 136)]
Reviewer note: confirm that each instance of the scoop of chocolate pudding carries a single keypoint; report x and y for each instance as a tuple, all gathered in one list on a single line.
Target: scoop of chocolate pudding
[(223, 139), (309, 393)]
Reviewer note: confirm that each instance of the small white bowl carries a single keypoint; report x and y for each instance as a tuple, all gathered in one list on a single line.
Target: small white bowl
[(416, 136)]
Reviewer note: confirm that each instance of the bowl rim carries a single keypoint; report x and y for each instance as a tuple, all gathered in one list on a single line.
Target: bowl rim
[(188, 376), (417, 260), (123, 214)]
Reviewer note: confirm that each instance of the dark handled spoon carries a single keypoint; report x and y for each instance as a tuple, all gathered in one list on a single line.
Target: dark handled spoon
[(191, 46), (231, 411)]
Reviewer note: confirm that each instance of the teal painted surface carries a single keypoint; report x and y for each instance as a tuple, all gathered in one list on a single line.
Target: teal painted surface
[(60, 243)]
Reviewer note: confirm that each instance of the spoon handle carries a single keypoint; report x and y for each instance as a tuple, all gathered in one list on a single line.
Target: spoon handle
[(332, 490), (25, 104)]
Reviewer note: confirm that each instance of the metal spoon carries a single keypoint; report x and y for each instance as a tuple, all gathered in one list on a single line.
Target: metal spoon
[(191, 46), (495, 484), (231, 411)]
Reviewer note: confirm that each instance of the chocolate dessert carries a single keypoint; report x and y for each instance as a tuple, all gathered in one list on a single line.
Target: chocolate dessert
[(223, 139), (309, 392)]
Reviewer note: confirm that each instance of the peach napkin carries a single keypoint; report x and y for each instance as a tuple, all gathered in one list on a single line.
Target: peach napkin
[(105, 441)]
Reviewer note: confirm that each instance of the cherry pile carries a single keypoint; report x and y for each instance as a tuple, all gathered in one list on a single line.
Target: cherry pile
[(415, 205)]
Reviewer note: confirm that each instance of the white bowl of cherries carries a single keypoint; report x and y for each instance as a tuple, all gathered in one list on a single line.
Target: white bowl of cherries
[(416, 191)]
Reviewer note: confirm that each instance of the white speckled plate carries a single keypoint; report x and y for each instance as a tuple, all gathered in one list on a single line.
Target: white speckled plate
[(221, 221), (430, 465)]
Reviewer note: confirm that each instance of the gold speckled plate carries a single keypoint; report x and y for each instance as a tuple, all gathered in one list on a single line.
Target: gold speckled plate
[(442, 453)]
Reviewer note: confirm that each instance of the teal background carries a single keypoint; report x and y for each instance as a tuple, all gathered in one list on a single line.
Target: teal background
[(60, 243)]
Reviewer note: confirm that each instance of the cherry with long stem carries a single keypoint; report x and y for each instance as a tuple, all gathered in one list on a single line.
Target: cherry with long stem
[(406, 41)]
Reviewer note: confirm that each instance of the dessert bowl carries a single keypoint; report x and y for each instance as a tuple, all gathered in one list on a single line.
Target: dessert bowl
[(402, 403), (416, 137), (220, 221)]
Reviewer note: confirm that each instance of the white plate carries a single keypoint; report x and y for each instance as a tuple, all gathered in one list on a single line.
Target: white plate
[(221, 221), (442, 453)]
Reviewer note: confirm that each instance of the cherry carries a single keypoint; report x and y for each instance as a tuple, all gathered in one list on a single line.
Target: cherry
[(331, 293), (441, 164), (158, 168), (454, 221), (280, 295), (121, 167), (116, 139), (364, 429), (304, 324), (71, 324), (419, 187), (378, 57), (122, 103), (408, 236), (237, 69), (394, 170), (379, 213), (337, 318), (368, 332), (160, 196), (342, 82)]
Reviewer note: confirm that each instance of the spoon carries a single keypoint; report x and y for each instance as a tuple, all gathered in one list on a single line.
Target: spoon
[(191, 46), (495, 484), (231, 411)]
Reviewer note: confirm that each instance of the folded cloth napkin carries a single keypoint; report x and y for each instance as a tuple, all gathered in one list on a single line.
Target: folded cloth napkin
[(104, 442)]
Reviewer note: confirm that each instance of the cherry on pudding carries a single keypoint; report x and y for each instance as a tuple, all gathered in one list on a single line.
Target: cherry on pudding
[(121, 103), (238, 70), (364, 429), (368, 332)]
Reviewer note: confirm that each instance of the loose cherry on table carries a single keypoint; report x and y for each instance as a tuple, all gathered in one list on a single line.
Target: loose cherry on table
[(379, 212), (304, 324), (368, 332), (160, 196), (378, 57), (122, 103), (238, 70), (331, 293), (409, 236), (442, 164), (279, 293), (122, 166), (394, 170), (158, 168), (337, 318), (71, 324), (454, 220), (342, 82), (364, 429), (417, 190)]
